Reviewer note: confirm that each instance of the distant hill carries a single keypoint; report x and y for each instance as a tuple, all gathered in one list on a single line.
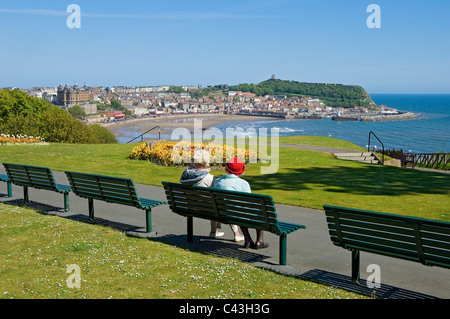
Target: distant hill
[(335, 95)]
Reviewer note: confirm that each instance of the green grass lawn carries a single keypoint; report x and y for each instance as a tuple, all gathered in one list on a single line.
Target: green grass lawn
[(304, 178), (37, 250), (320, 141)]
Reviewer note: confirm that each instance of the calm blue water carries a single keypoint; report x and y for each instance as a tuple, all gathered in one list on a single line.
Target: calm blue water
[(426, 135), (429, 134)]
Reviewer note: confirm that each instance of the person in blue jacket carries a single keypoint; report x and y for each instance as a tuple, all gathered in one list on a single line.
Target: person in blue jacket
[(198, 175), (235, 168)]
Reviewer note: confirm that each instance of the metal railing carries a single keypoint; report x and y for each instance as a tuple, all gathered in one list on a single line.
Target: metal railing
[(142, 135), (428, 160), (368, 145)]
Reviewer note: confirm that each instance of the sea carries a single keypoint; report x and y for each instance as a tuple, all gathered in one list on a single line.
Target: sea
[(428, 134)]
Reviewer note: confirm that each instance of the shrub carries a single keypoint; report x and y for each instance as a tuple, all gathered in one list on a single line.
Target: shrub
[(169, 153), (21, 114), (104, 136)]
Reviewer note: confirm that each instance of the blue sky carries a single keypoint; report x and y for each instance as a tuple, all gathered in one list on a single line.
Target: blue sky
[(216, 42)]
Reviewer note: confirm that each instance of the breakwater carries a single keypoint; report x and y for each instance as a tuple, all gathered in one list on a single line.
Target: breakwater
[(379, 117), (364, 117)]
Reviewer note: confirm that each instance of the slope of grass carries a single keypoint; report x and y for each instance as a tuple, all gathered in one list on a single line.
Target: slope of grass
[(304, 178), (320, 141), (37, 250)]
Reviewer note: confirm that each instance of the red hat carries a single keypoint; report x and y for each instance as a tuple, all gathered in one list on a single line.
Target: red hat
[(235, 166)]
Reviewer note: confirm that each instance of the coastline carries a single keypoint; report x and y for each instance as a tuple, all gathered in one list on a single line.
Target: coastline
[(168, 123)]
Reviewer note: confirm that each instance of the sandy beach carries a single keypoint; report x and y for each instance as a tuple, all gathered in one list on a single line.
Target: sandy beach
[(169, 122)]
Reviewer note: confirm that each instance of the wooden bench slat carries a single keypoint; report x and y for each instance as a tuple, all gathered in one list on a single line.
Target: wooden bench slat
[(406, 237), (381, 220), (193, 207), (288, 228), (201, 198), (250, 205), (242, 197), (432, 228), (230, 195), (107, 185), (377, 240), (434, 250), (436, 242), (228, 207), (149, 203), (115, 197), (112, 190), (237, 210), (437, 260), (229, 210), (390, 252), (403, 234), (205, 195), (36, 177)]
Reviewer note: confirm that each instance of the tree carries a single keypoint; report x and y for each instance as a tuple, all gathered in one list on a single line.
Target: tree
[(104, 136), (22, 114), (77, 112)]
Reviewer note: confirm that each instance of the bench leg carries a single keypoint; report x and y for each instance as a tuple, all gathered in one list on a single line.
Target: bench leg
[(9, 189), (190, 229), (26, 198), (355, 266), (283, 242), (66, 202), (91, 208), (148, 220)]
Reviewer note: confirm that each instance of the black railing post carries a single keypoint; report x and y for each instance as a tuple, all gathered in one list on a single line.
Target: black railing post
[(142, 135), (368, 146)]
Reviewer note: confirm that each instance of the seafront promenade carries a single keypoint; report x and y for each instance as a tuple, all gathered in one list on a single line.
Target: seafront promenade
[(311, 255)]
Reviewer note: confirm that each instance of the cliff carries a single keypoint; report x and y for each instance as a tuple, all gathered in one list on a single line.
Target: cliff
[(335, 95)]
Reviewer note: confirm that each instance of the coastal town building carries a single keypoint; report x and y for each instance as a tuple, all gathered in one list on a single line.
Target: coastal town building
[(69, 96), (161, 100), (89, 108)]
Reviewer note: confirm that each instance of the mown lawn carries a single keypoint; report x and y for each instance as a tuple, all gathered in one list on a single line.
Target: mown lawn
[(41, 253), (304, 178), (37, 248)]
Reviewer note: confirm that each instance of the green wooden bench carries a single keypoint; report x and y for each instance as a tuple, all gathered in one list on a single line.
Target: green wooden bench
[(5, 178), (112, 190), (36, 177), (411, 238), (228, 207)]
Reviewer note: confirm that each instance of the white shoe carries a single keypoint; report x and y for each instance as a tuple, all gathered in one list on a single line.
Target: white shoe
[(216, 234), (239, 238)]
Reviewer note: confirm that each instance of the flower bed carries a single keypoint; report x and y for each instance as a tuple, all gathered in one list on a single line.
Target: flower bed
[(7, 139), (180, 153)]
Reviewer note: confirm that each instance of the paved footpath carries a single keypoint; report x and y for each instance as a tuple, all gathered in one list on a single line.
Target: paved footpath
[(311, 255)]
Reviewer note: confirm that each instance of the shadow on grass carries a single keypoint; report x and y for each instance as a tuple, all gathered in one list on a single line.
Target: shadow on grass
[(214, 247), (362, 180), (230, 249)]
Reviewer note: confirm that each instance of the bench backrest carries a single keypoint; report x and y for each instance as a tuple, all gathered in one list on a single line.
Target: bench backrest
[(106, 188), (31, 176), (229, 207), (422, 240)]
